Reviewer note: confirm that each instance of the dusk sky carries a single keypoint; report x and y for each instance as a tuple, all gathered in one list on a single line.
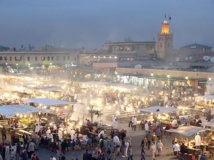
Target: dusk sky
[(89, 23)]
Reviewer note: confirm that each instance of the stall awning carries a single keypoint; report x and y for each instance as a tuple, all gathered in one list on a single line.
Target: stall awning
[(207, 97), (46, 88), (11, 110), (187, 130), (46, 101), (208, 124), (159, 109)]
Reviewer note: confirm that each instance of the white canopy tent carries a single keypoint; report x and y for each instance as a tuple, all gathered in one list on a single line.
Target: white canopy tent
[(207, 97), (46, 88), (50, 88), (46, 101), (159, 109), (11, 110), (208, 124), (187, 130)]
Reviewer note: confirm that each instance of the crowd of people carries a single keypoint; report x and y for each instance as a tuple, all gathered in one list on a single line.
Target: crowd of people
[(107, 144)]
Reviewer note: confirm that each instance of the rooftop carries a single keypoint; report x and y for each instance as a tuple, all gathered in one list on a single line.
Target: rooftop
[(196, 46), (129, 42)]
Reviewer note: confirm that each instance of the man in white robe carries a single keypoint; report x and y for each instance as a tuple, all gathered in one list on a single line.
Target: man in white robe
[(197, 141), (37, 128), (60, 134), (72, 132)]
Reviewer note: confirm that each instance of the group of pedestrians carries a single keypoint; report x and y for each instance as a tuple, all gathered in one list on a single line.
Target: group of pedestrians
[(15, 151)]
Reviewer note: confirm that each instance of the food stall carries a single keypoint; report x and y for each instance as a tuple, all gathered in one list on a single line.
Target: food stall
[(207, 143), (206, 101), (16, 117), (58, 106), (160, 112), (209, 124)]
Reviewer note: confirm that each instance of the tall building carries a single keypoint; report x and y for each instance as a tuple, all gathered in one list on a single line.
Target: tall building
[(165, 41)]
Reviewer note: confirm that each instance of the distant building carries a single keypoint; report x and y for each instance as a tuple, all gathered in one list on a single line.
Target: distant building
[(3, 48), (38, 58), (196, 47)]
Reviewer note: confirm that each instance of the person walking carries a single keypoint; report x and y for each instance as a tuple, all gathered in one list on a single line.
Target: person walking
[(31, 148), (143, 154), (34, 156), (24, 154), (149, 139), (176, 148), (153, 150), (126, 148), (134, 123), (146, 126), (7, 152), (4, 134), (144, 142), (130, 153), (86, 155), (159, 147)]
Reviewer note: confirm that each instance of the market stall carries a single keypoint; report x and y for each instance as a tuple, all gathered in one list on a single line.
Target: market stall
[(203, 140), (11, 110), (160, 113), (16, 117), (187, 130), (46, 101), (206, 101), (209, 124), (159, 109)]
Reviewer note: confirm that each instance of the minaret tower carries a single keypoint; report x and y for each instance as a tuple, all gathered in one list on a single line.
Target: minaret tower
[(165, 41)]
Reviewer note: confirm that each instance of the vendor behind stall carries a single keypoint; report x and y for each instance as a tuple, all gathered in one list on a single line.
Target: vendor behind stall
[(197, 141)]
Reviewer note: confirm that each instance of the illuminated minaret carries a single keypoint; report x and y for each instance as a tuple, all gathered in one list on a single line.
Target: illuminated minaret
[(165, 41)]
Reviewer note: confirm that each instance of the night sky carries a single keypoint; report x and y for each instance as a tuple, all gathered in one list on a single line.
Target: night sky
[(89, 23)]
